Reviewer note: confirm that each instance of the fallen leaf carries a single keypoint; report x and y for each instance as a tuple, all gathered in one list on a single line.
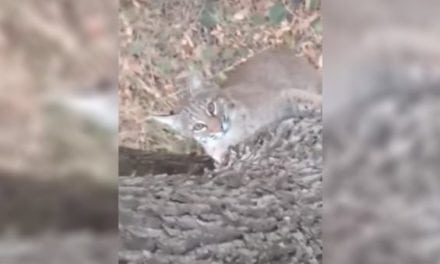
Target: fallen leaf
[(240, 15)]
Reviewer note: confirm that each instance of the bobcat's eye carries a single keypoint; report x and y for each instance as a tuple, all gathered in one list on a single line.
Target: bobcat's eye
[(199, 127), (212, 109)]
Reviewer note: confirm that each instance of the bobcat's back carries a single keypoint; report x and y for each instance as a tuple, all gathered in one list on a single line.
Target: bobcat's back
[(269, 75)]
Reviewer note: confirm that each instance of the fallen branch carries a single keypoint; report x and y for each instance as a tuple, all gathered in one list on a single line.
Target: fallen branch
[(139, 162)]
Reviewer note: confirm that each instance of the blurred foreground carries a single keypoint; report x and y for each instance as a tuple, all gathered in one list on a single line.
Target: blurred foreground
[(58, 136), (382, 132)]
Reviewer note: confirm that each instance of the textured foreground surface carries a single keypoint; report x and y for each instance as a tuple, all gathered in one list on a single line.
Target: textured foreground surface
[(382, 150), (263, 207), (72, 248)]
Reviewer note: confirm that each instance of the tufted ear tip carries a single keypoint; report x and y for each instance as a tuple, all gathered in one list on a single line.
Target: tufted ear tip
[(173, 121), (166, 119), (195, 82)]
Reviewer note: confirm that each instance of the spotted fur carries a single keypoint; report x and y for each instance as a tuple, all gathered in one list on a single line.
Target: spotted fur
[(266, 89)]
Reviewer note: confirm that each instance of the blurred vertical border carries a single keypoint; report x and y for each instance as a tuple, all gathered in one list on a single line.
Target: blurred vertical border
[(58, 131), (381, 131)]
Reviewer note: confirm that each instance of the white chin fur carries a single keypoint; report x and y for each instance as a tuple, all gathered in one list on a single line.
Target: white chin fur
[(214, 149)]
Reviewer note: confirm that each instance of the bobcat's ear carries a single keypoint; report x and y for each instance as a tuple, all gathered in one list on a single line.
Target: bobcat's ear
[(173, 121), (195, 82)]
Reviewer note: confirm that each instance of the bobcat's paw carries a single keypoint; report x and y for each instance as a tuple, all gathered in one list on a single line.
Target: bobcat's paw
[(218, 154)]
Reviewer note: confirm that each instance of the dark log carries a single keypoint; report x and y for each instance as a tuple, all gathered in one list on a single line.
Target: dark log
[(139, 162)]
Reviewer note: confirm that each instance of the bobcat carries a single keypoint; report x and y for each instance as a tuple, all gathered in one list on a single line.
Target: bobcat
[(268, 88)]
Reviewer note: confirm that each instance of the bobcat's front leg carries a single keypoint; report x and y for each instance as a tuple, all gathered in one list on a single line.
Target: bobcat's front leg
[(216, 152)]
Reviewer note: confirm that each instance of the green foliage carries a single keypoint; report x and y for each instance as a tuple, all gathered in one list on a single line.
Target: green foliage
[(317, 26), (209, 16), (136, 48), (312, 5), (277, 13)]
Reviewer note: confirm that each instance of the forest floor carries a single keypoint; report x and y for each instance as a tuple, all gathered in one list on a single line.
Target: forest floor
[(160, 41)]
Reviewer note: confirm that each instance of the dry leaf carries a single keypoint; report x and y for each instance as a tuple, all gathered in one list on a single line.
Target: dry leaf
[(240, 15)]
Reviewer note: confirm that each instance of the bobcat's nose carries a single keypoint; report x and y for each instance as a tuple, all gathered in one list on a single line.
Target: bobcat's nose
[(225, 125), (215, 126)]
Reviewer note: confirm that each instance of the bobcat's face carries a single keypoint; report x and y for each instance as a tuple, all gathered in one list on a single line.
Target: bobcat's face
[(204, 118)]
